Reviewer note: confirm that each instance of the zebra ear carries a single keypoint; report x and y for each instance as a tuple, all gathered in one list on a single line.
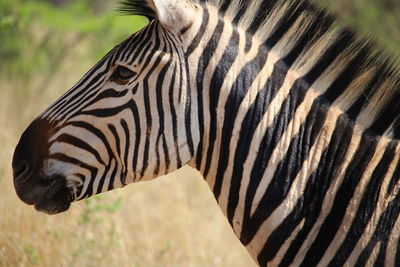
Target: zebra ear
[(174, 15)]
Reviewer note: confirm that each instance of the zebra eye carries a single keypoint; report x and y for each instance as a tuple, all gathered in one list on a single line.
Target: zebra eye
[(123, 74)]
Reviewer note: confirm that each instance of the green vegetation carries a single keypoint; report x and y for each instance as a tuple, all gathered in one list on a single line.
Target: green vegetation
[(379, 19), (45, 48), (37, 35)]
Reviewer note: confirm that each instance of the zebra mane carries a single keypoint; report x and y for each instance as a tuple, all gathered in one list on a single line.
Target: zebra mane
[(137, 7), (366, 82)]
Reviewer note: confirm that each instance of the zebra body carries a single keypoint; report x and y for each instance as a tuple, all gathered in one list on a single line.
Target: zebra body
[(292, 123)]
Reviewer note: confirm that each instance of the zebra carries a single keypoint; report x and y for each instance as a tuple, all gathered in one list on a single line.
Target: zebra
[(291, 120)]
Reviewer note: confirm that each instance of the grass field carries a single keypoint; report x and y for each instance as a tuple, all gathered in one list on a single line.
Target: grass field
[(173, 221)]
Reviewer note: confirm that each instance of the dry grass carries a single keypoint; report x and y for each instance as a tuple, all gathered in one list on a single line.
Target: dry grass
[(173, 221)]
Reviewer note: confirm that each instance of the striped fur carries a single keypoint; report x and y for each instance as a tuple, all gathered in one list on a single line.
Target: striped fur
[(292, 122)]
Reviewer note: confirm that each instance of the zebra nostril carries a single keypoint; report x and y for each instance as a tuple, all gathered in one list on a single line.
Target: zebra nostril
[(21, 170)]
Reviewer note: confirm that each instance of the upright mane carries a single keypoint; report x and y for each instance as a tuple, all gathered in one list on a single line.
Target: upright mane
[(365, 81)]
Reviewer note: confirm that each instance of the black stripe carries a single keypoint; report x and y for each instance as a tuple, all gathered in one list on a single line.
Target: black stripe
[(107, 112), (381, 258), (364, 97), (237, 93), (101, 136), (394, 180), (168, 43), (180, 86), (310, 77), (174, 117), (382, 232), (272, 137), (142, 57), (121, 48), (72, 140), (217, 79), (67, 159), (285, 23), (250, 122), (82, 94), (244, 5), (117, 140), (85, 78), (75, 106), (125, 127), (266, 95), (327, 58), (146, 41), (224, 5), (72, 107), (137, 41), (188, 110), (346, 77), (308, 207), (333, 220), (388, 115), (171, 98), (366, 208), (199, 36), (80, 188), (260, 15), (160, 110), (138, 135), (262, 159), (305, 40), (96, 132), (204, 61), (93, 170), (102, 179), (107, 93), (112, 178), (286, 172), (397, 260), (146, 99)]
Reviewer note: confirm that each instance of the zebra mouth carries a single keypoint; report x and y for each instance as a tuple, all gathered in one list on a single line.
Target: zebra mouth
[(55, 199)]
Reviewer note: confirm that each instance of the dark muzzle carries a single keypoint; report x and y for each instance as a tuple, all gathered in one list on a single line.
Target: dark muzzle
[(33, 186)]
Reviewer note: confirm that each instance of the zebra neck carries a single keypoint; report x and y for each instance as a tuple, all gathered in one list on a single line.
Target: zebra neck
[(277, 153), (281, 157), (295, 140)]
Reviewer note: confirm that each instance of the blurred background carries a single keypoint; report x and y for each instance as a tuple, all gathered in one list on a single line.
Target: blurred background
[(46, 47)]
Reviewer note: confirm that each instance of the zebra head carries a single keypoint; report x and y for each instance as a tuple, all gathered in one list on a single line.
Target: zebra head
[(130, 118)]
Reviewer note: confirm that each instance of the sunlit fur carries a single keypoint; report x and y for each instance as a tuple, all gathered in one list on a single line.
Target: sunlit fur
[(292, 121)]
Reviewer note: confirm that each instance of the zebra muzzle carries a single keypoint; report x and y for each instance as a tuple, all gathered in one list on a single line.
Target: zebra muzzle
[(48, 193)]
